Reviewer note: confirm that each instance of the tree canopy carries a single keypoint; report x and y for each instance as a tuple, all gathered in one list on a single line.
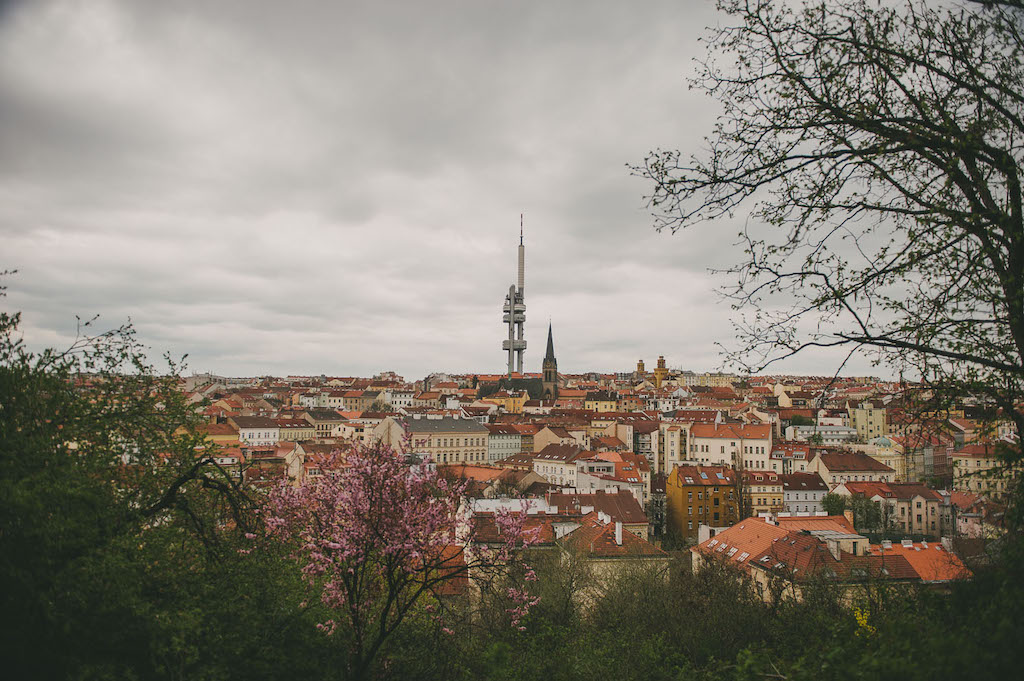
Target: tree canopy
[(878, 149)]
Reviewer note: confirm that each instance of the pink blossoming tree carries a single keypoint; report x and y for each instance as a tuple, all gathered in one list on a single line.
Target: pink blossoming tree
[(377, 539)]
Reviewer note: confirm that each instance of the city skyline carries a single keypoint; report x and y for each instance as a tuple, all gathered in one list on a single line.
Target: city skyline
[(277, 190)]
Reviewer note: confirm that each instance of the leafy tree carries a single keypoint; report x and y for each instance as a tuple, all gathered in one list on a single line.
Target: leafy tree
[(117, 527), (833, 504), (380, 406), (801, 420), (867, 514), (879, 149), (383, 544)]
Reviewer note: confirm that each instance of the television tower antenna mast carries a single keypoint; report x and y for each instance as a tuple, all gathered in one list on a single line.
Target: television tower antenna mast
[(515, 312)]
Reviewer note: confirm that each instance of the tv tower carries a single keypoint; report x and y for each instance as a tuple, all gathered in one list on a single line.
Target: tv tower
[(515, 312)]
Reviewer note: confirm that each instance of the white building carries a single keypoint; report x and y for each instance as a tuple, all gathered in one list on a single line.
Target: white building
[(803, 492)]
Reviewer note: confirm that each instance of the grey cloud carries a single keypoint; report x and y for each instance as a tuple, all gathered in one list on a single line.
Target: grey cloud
[(335, 187)]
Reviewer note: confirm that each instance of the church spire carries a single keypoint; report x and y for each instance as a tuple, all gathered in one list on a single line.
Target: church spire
[(549, 373)]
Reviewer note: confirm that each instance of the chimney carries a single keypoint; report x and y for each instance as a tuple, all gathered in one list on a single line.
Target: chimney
[(618, 533)]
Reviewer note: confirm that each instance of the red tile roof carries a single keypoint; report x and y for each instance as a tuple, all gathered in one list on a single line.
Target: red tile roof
[(892, 490), (598, 540), (838, 523), (931, 561), (735, 431), (795, 555), (620, 505)]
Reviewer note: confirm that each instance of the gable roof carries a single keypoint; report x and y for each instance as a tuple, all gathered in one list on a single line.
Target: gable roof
[(597, 540), (796, 555), (803, 482), (892, 490), (560, 453), (620, 505), (852, 461)]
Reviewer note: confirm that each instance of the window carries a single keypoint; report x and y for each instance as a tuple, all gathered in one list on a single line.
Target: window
[(716, 516), (716, 501)]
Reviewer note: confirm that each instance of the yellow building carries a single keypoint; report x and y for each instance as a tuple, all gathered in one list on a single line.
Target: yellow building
[(660, 372), (762, 492), (601, 401), (509, 400), (700, 495), (223, 434)]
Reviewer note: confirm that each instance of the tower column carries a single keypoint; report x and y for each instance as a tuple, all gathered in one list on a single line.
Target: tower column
[(515, 312)]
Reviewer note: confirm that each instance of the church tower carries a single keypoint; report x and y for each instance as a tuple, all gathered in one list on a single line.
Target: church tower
[(550, 370)]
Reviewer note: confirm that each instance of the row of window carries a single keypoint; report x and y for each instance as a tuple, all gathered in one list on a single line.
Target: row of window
[(461, 442)]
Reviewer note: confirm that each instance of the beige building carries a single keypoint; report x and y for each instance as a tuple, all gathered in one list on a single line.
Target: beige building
[(887, 451), (671, 445), (746, 446), (296, 430), (449, 440), (870, 418), (763, 492), (910, 507), (838, 467), (553, 435), (556, 463), (324, 421), (977, 469)]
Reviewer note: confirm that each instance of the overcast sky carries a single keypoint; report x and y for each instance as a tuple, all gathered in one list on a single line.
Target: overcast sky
[(335, 187)]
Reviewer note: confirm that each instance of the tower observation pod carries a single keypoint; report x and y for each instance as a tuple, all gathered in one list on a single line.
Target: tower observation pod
[(514, 313)]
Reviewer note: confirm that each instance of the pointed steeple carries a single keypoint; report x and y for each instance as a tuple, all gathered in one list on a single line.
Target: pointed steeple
[(550, 370), (551, 345)]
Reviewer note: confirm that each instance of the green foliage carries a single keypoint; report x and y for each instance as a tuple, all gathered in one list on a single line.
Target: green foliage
[(834, 504), (119, 534)]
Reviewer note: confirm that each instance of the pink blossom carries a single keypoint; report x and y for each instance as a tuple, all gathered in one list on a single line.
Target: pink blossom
[(371, 532)]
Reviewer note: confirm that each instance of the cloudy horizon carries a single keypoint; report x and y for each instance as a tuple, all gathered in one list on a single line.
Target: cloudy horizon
[(336, 188)]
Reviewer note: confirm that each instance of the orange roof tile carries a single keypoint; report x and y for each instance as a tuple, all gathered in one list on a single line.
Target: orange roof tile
[(931, 561)]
